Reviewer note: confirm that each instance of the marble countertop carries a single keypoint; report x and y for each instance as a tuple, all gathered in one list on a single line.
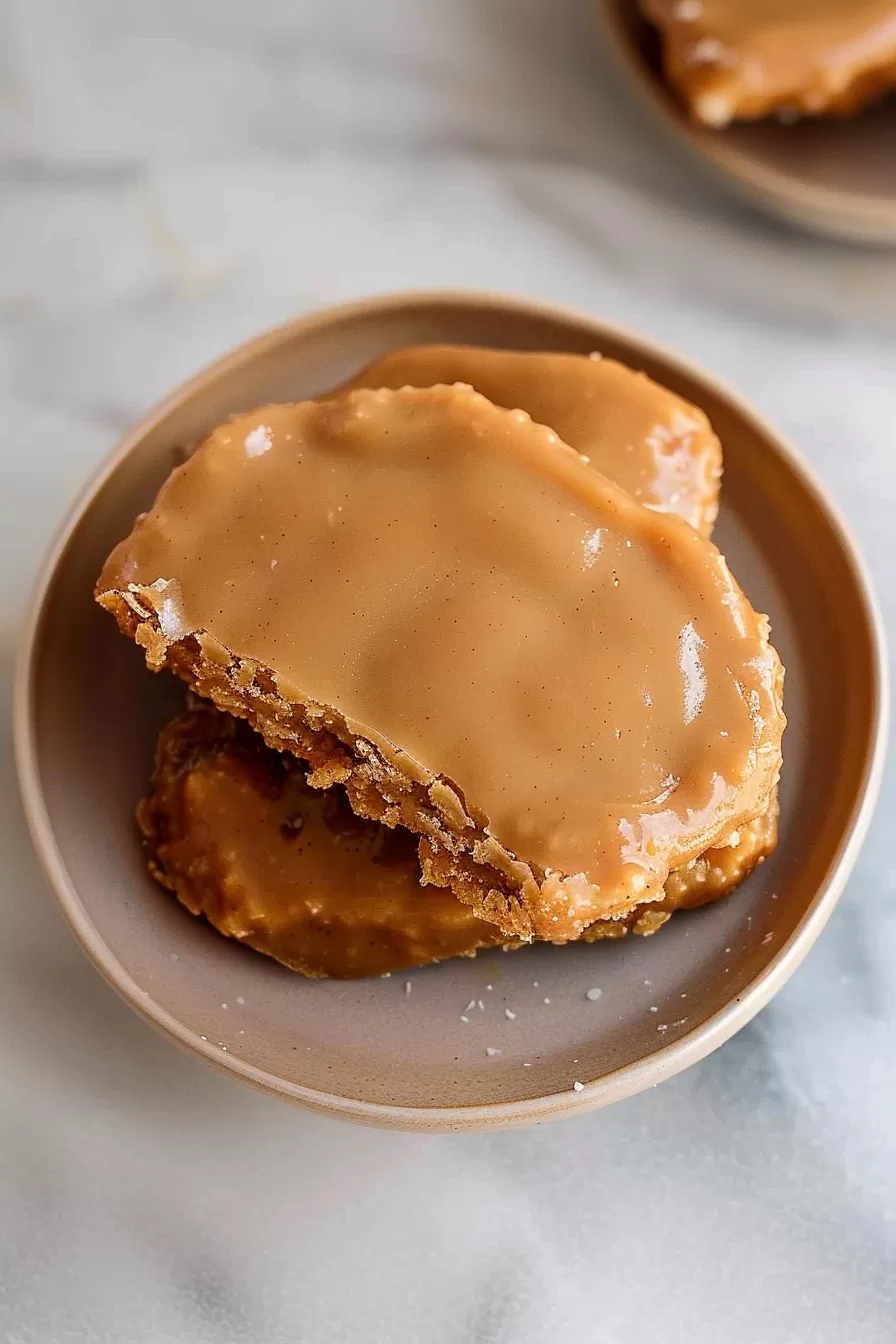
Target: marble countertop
[(176, 176)]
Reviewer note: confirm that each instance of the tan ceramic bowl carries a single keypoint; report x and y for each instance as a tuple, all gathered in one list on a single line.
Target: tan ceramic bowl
[(87, 712), (831, 175)]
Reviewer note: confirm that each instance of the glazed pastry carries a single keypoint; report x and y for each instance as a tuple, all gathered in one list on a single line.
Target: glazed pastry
[(734, 60), (437, 604), (657, 446)]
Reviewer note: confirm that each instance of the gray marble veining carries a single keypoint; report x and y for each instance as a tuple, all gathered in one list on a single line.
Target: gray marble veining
[(175, 176)]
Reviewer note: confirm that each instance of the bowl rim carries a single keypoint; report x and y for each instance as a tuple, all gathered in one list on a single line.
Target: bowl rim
[(854, 216), (619, 1083)]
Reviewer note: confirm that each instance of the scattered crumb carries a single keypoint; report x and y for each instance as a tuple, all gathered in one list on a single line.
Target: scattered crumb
[(648, 982), (481, 1005), (710, 51), (407, 986), (511, 1017), (534, 984), (489, 986), (545, 1000), (203, 1038), (593, 994), (258, 441), (240, 999), (767, 939), (470, 1006), (653, 1008), (578, 1087), (491, 1051), (464, 1018), (527, 1066), (174, 957)]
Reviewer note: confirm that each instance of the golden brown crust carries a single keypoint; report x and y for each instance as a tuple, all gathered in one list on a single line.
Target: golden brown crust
[(221, 824), (376, 790), (320, 736), (234, 830)]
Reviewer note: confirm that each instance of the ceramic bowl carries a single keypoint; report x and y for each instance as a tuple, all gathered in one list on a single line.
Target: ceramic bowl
[(830, 175), (87, 713)]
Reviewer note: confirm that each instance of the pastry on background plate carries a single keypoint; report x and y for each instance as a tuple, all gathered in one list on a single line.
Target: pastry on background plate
[(233, 828), (657, 446), (438, 605), (738, 60)]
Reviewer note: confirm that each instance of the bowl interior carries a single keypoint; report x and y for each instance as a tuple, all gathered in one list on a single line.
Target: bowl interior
[(826, 173), (91, 711)]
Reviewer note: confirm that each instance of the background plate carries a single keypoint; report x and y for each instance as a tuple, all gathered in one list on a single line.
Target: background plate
[(835, 176)]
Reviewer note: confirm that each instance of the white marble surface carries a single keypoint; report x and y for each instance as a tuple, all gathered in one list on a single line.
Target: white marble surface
[(174, 176)]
